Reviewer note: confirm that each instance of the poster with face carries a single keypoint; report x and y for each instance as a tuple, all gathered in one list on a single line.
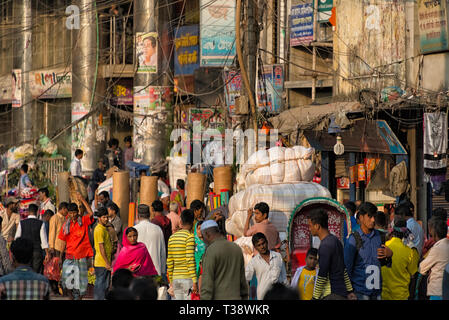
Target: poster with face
[(16, 88), (146, 52)]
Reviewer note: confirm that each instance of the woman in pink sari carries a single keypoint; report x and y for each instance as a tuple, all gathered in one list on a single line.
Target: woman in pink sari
[(134, 256)]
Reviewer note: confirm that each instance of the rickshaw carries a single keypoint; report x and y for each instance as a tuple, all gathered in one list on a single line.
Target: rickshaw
[(298, 233)]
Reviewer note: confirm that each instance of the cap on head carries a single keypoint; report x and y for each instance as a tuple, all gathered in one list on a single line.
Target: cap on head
[(208, 224)]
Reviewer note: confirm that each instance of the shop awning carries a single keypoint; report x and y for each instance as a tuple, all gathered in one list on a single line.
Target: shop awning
[(370, 136), (307, 117)]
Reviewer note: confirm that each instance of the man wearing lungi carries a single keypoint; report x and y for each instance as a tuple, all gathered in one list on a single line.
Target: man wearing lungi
[(78, 249)]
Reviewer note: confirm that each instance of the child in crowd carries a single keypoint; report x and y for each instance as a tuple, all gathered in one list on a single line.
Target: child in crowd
[(305, 276)]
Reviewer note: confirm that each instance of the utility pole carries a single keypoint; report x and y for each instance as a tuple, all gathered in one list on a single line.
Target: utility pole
[(24, 116), (150, 135), (314, 48), (248, 66), (88, 89)]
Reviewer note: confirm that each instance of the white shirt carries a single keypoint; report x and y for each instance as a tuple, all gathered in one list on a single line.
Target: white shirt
[(44, 241), (162, 187), (266, 274), (75, 167), (153, 238), (44, 206), (435, 262)]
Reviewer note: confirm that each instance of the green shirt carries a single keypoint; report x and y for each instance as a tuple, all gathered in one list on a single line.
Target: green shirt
[(101, 235)]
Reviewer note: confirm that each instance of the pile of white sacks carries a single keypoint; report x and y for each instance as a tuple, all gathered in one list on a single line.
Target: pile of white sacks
[(277, 165), (281, 177)]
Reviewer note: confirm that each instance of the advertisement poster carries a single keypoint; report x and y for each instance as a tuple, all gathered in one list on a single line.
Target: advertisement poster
[(301, 24), (148, 101), (79, 131), (269, 93), (269, 96), (432, 23), (146, 52), (16, 90), (187, 50), (50, 84), (122, 93), (217, 20), (232, 79), (214, 119)]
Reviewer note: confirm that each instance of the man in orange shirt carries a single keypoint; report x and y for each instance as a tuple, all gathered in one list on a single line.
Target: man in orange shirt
[(75, 232), (261, 212)]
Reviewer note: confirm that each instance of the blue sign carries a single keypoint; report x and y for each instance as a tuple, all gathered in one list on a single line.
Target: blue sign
[(217, 20), (390, 138), (187, 55), (301, 24)]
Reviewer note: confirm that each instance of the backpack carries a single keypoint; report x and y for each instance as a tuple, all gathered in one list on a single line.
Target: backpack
[(359, 244)]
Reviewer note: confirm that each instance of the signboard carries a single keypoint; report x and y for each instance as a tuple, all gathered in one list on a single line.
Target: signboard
[(122, 93), (432, 23), (203, 114), (50, 84), (16, 91), (301, 24), (390, 138), (269, 93), (325, 10), (146, 52), (270, 96), (186, 50), (217, 27)]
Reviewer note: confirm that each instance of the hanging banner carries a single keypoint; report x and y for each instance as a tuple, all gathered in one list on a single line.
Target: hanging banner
[(214, 118), (16, 91), (146, 52), (186, 50), (217, 28), (301, 32), (432, 23), (435, 140)]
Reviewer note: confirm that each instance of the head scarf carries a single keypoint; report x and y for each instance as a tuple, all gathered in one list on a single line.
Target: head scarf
[(200, 248), (135, 255)]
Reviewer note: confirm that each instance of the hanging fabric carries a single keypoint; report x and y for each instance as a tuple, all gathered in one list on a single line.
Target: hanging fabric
[(435, 140)]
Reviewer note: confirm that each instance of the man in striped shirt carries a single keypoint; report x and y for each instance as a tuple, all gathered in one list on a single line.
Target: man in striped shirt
[(332, 280), (181, 259)]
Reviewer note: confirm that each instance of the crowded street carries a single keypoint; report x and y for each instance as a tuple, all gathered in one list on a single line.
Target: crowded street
[(230, 150)]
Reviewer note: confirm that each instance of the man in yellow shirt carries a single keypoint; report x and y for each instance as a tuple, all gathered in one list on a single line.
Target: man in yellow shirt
[(396, 279), (103, 252), (305, 276)]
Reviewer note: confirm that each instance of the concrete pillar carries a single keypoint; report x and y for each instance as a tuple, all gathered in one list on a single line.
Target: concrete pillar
[(151, 134), (88, 90), (23, 117)]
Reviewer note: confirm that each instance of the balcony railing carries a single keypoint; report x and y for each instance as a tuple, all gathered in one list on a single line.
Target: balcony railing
[(118, 45)]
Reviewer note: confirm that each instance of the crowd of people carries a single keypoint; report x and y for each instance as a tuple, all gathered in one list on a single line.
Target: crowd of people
[(180, 253)]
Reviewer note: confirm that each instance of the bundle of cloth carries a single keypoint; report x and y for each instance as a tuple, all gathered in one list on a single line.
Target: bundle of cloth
[(282, 198), (276, 165)]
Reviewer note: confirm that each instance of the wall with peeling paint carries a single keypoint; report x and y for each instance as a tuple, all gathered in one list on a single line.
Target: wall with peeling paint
[(369, 39)]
